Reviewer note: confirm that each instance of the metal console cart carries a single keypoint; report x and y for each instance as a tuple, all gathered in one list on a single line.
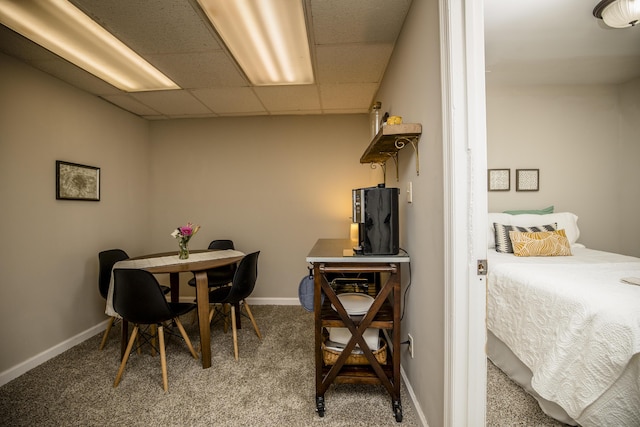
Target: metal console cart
[(335, 256)]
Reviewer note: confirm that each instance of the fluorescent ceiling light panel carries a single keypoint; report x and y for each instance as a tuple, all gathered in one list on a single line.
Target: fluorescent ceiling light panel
[(63, 29), (268, 38)]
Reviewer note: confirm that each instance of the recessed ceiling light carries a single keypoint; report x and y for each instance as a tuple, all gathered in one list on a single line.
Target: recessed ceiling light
[(63, 29), (268, 38)]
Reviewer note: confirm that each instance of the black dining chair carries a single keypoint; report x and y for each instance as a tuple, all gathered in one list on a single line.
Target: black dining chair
[(138, 298), (106, 261), (242, 286), (219, 276)]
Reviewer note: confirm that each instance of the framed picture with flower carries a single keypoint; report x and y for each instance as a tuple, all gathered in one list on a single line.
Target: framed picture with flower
[(77, 182)]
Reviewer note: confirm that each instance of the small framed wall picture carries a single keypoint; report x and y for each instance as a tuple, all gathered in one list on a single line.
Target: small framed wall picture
[(527, 179), (77, 182), (499, 179)]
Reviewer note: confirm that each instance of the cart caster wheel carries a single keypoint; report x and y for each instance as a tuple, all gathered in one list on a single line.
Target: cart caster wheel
[(320, 406), (397, 411)]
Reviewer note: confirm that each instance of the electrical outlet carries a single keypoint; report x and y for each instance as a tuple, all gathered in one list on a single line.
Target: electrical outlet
[(410, 192), (411, 346)]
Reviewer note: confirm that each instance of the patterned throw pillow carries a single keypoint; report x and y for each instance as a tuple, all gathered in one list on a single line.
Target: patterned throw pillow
[(503, 242), (542, 243)]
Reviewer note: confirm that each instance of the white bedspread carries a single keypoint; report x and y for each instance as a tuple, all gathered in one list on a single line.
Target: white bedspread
[(571, 321)]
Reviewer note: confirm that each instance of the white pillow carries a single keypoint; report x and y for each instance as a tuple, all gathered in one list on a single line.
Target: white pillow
[(565, 220)]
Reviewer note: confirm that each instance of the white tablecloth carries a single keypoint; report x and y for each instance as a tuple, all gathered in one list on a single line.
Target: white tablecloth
[(163, 261)]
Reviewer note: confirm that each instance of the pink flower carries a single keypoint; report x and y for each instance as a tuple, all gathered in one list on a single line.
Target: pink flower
[(185, 232)]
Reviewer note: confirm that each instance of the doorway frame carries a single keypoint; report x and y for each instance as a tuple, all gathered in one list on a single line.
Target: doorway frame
[(465, 208)]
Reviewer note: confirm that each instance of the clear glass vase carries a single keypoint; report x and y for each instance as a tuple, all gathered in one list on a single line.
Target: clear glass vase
[(184, 249)]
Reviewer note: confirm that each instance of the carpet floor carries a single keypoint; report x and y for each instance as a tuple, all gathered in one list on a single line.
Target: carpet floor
[(272, 384), (509, 405)]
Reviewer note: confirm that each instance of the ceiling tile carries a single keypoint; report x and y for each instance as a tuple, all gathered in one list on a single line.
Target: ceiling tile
[(198, 70), (129, 103), (369, 21), (227, 100), (289, 98), (153, 26), (172, 102), (352, 63), (348, 96)]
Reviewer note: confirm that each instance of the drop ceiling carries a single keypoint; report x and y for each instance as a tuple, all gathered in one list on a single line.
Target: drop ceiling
[(351, 43), (526, 42)]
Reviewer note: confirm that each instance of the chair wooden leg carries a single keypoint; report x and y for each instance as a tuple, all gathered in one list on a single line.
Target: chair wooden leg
[(225, 307), (106, 332), (153, 330), (163, 359), (212, 310), (253, 321), (134, 335), (235, 332), (186, 338)]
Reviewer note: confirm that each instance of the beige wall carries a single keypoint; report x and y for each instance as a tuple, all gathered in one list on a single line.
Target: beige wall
[(411, 89), (628, 170), (48, 255), (274, 184), (580, 137)]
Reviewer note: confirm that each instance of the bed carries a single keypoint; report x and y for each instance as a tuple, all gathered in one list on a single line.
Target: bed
[(566, 328)]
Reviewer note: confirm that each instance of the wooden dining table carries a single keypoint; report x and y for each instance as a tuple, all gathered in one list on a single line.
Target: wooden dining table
[(168, 263)]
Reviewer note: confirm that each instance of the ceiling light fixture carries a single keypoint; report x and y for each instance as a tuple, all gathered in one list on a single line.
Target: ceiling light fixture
[(618, 13), (63, 29), (268, 38)]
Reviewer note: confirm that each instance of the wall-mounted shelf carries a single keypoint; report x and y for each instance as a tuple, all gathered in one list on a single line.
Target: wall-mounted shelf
[(390, 140)]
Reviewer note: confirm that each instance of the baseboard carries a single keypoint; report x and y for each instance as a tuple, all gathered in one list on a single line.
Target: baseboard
[(50, 353), (414, 399), (258, 300), (273, 301)]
